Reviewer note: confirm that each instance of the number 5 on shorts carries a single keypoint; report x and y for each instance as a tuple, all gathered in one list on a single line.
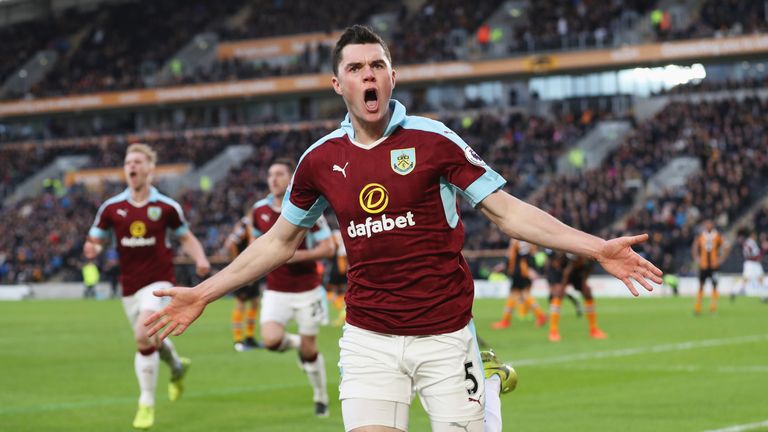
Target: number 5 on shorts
[(468, 366)]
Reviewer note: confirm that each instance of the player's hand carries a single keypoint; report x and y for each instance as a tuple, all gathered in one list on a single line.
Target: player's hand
[(618, 259), (186, 305), (202, 267), (91, 250)]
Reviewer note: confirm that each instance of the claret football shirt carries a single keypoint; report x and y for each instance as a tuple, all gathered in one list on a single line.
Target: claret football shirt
[(294, 277), (396, 202), (141, 236)]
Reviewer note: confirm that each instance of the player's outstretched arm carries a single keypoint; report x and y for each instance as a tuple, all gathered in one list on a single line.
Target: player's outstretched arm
[(187, 304), (192, 247), (526, 222), (322, 250)]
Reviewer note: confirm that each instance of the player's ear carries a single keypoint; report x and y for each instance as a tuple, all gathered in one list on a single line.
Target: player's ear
[(336, 86), (394, 78)]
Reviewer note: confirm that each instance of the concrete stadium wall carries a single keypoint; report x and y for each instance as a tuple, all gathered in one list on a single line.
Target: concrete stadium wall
[(603, 286), (607, 286)]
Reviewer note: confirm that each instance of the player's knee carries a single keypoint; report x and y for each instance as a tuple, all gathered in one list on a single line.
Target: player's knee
[(145, 351), (272, 342), (145, 344), (272, 346), (143, 341)]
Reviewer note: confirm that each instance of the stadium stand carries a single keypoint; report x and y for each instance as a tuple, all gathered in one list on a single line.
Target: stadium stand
[(524, 147), (438, 30)]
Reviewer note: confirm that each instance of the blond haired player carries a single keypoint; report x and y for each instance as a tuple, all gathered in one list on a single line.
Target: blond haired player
[(139, 218)]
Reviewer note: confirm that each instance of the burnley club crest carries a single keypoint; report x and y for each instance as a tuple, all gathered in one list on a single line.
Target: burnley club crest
[(403, 160), (154, 213)]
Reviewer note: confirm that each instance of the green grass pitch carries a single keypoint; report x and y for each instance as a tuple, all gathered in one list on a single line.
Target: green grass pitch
[(68, 366)]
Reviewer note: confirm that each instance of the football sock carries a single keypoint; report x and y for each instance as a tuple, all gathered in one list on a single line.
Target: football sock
[(250, 323), (315, 370), (699, 297), (492, 404), (522, 310), (713, 303), (146, 367), (169, 355), (508, 308), (589, 308), (554, 315), (532, 305), (237, 325)]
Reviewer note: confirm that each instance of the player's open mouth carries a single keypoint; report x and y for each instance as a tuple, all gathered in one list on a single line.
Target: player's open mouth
[(371, 99), (132, 174)]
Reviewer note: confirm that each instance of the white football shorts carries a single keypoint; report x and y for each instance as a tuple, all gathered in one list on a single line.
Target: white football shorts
[(444, 370), (144, 300), (308, 308), (752, 270)]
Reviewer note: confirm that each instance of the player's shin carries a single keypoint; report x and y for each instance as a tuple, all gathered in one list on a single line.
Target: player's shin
[(250, 323), (237, 325), (315, 369), (169, 355), (146, 365)]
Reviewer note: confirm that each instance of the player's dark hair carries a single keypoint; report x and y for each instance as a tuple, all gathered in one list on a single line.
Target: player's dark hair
[(287, 162), (357, 34)]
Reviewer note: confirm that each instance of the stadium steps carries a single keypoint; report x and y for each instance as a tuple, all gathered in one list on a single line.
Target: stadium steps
[(673, 175), (215, 170), (199, 53), (78, 38), (646, 108), (56, 169), (510, 16), (596, 145), (40, 65), (30, 73), (682, 14)]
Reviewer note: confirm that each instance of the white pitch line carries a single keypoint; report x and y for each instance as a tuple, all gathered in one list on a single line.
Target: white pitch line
[(686, 368), (63, 406), (640, 350), (740, 428)]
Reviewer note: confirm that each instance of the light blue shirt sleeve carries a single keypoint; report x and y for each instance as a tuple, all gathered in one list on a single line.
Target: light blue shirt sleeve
[(181, 230), (485, 185), (301, 217), (98, 233)]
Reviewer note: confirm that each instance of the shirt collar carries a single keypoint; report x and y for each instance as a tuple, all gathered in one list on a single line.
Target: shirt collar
[(396, 119), (154, 194)]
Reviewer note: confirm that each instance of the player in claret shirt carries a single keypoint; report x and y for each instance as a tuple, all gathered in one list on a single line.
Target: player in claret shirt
[(294, 290), (393, 181), (139, 218)]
